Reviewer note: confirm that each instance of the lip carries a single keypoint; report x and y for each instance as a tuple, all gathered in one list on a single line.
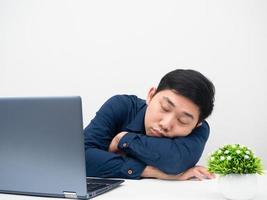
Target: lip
[(156, 132)]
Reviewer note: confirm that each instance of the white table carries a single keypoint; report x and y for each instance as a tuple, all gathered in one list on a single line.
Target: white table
[(159, 189)]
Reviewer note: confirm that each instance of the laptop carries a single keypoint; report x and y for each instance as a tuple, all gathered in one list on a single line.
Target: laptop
[(42, 149)]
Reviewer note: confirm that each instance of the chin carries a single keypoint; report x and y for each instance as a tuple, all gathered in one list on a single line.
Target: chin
[(149, 134)]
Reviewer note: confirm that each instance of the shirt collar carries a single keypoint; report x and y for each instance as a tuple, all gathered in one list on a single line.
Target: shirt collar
[(137, 125)]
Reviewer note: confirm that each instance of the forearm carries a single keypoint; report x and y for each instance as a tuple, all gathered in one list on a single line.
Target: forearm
[(170, 155), (152, 172), (197, 172), (104, 164), (164, 154)]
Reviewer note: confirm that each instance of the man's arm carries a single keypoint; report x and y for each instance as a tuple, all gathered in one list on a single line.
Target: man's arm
[(198, 172), (98, 135), (169, 155), (103, 164)]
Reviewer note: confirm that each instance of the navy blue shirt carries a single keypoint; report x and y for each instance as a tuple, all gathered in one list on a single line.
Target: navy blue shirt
[(126, 113)]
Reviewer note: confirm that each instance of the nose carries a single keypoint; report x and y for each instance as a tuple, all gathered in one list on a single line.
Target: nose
[(166, 123)]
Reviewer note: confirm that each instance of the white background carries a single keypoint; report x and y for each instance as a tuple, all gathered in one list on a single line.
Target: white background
[(99, 48)]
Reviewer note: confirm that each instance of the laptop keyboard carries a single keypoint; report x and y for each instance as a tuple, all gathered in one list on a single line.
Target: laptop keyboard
[(95, 186)]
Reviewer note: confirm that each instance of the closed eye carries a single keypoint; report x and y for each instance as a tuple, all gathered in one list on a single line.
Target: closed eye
[(184, 120), (165, 108), (181, 122)]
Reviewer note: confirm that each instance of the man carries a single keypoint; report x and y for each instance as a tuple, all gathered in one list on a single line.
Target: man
[(162, 137)]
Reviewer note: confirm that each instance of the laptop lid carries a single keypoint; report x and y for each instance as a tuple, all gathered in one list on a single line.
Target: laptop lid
[(41, 146)]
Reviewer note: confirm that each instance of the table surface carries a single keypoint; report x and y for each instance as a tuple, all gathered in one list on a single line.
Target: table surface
[(160, 189)]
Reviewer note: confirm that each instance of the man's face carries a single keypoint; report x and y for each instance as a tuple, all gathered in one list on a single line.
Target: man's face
[(169, 114)]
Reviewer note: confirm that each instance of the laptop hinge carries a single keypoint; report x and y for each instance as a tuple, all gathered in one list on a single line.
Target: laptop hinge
[(70, 195)]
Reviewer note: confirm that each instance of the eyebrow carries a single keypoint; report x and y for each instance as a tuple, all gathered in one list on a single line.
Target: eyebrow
[(173, 105)]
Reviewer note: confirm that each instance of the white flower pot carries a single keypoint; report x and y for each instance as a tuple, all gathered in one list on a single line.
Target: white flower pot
[(238, 186)]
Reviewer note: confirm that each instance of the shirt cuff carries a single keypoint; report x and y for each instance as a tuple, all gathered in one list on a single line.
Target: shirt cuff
[(132, 169), (135, 145), (126, 140)]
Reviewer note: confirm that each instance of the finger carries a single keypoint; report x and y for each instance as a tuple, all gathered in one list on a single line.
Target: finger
[(198, 175), (189, 174), (206, 173)]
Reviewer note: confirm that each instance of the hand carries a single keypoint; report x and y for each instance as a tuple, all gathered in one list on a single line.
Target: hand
[(198, 172), (113, 147)]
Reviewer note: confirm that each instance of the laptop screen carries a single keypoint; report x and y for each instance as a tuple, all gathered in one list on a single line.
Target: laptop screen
[(42, 146)]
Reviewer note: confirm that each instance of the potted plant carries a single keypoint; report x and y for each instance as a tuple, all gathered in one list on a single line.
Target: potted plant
[(237, 167)]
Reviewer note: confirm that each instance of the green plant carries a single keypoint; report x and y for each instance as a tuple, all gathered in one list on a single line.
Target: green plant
[(234, 159)]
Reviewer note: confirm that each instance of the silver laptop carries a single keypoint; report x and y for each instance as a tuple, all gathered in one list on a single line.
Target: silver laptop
[(42, 149)]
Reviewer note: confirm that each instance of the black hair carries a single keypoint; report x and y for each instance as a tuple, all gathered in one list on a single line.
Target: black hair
[(192, 85)]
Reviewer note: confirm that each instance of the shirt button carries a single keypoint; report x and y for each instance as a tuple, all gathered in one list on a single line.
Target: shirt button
[(125, 145), (130, 171)]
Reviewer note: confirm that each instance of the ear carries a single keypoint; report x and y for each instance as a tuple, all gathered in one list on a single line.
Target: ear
[(151, 93)]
